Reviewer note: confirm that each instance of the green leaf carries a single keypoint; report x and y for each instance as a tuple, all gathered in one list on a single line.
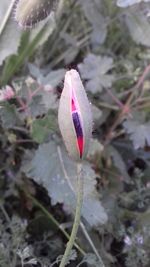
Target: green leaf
[(139, 132), (91, 260), (38, 99), (92, 11), (36, 107), (139, 26), (49, 24), (118, 162), (47, 168), (41, 128), (52, 79), (9, 116), (35, 40), (94, 69)]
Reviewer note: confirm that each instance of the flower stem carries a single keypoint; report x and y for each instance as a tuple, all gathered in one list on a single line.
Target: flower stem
[(51, 218), (77, 217)]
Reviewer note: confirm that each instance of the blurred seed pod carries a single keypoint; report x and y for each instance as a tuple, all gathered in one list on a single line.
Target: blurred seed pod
[(74, 116), (30, 12)]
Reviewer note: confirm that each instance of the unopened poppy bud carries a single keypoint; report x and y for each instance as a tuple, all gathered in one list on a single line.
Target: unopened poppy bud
[(74, 116), (30, 12)]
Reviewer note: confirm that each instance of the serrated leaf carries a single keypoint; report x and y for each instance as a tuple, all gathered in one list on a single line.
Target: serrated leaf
[(36, 106), (139, 132), (52, 79), (49, 24), (9, 116), (72, 256), (139, 26), (41, 128), (36, 38), (94, 69), (93, 211), (49, 100), (46, 168), (91, 260), (98, 21)]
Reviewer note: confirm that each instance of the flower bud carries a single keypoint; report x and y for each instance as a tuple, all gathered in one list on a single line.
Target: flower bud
[(74, 116), (6, 93), (30, 12)]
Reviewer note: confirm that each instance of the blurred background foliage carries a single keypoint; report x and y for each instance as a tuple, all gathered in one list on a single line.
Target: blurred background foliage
[(108, 42)]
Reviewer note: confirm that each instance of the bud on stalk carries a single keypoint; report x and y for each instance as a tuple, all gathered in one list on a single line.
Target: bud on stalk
[(74, 116), (30, 12)]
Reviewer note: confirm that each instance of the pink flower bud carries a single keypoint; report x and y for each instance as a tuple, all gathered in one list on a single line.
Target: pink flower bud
[(6, 93), (74, 116), (30, 12)]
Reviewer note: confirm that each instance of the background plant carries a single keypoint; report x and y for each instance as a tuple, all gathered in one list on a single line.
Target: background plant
[(109, 45)]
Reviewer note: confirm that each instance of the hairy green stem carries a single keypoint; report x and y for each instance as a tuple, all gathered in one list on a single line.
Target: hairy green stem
[(77, 217), (81, 223), (50, 216)]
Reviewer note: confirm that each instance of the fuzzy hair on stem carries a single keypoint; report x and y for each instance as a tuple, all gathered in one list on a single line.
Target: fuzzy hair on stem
[(77, 217)]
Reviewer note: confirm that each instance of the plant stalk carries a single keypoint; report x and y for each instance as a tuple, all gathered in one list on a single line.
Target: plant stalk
[(77, 217), (50, 216)]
